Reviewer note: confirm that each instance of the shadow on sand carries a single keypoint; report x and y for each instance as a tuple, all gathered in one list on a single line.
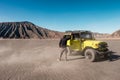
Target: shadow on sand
[(76, 58), (114, 57)]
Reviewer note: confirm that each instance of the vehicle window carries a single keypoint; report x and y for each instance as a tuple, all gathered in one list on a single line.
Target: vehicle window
[(76, 36), (86, 35)]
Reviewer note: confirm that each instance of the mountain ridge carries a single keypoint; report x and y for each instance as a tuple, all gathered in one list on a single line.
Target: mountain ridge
[(116, 34), (26, 30)]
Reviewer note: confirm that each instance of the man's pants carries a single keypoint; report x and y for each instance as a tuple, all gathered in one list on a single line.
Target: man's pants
[(64, 51)]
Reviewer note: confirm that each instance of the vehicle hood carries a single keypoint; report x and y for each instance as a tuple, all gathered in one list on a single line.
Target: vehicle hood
[(92, 43)]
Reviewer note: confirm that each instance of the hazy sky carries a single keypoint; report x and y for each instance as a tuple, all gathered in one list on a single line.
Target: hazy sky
[(94, 15)]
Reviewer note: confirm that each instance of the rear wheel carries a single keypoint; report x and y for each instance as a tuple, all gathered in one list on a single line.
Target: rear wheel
[(91, 55)]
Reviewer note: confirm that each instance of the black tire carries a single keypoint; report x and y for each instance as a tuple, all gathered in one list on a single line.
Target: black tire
[(91, 55)]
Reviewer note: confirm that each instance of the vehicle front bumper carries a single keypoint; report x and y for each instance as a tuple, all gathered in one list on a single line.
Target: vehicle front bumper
[(104, 53)]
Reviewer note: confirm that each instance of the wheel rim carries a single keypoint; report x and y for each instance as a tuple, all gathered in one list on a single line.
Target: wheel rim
[(89, 55)]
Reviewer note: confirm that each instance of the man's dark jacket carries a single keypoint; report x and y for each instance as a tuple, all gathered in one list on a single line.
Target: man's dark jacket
[(63, 42)]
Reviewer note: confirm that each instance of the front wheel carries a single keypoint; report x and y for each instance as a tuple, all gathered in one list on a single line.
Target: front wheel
[(91, 55)]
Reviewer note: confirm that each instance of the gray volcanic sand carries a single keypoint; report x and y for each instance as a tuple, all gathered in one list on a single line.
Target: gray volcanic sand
[(37, 60)]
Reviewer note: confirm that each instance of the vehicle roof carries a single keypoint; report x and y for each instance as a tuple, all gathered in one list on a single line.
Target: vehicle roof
[(77, 31)]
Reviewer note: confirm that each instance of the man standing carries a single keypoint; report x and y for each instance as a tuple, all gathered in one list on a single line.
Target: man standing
[(63, 46)]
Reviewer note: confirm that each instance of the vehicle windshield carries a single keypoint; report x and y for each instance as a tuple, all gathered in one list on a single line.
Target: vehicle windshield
[(85, 35)]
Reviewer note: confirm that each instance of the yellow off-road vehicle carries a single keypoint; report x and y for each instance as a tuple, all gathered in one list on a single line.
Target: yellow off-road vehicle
[(84, 43)]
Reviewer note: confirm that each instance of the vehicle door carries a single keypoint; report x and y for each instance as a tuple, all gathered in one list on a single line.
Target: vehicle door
[(75, 42)]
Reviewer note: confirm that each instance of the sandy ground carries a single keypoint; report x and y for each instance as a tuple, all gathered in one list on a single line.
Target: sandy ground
[(37, 60)]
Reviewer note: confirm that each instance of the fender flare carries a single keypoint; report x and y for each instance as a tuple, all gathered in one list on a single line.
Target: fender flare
[(87, 47)]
